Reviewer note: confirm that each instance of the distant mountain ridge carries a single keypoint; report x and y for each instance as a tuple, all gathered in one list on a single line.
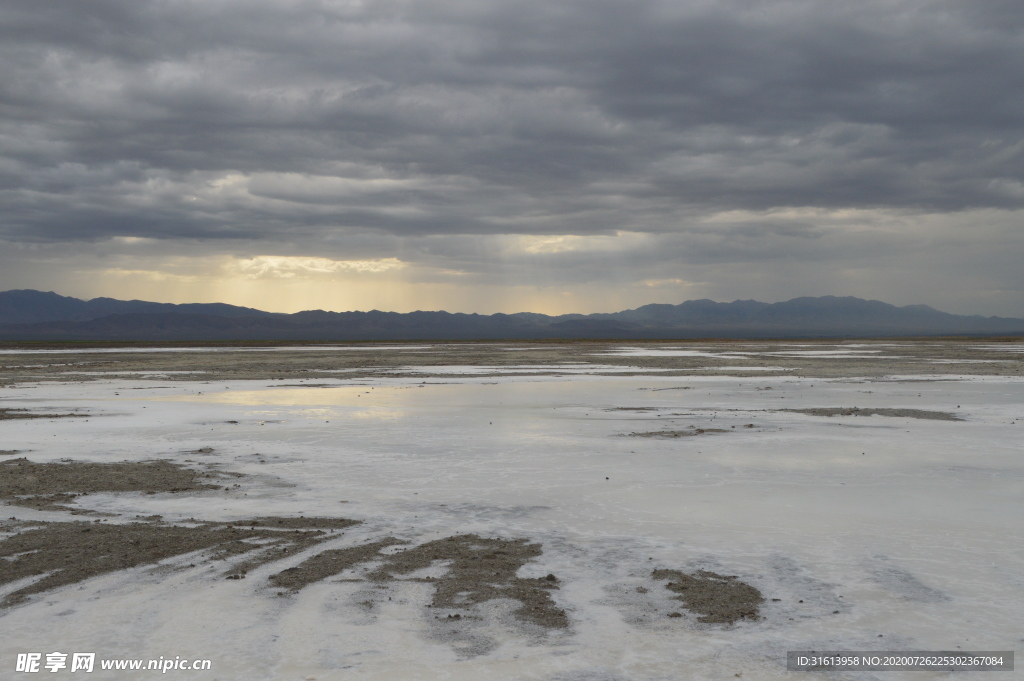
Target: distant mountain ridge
[(26, 306), (34, 315)]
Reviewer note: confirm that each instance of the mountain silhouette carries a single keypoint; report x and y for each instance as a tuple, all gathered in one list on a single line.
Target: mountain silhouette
[(35, 315)]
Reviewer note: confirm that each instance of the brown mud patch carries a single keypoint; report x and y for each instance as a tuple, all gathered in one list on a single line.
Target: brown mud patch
[(329, 563), (690, 432), (48, 486), (65, 553), (719, 599), (481, 570), (896, 413), (299, 523), (58, 554), (288, 537), (634, 409), (8, 452), (14, 414), (478, 570)]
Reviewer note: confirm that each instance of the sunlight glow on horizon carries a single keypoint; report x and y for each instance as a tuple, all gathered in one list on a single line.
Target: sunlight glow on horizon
[(289, 284)]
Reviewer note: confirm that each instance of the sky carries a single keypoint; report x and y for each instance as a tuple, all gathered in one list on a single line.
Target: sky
[(514, 155)]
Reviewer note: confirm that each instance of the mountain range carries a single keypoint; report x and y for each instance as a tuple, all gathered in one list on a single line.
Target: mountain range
[(37, 316)]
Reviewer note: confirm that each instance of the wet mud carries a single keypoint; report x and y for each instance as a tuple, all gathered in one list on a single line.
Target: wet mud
[(62, 553), (49, 486), (896, 413), (15, 414), (297, 523), (634, 409), (689, 432), (479, 570), (329, 563), (718, 599)]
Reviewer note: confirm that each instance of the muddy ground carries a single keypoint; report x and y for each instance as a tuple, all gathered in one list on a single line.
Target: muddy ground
[(718, 599), (692, 431), (49, 486), (62, 553), (330, 563), (39, 556), (315, 362), (895, 413), (480, 570), (50, 555), (14, 414)]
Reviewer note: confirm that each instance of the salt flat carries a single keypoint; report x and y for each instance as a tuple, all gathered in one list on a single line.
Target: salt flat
[(861, 532)]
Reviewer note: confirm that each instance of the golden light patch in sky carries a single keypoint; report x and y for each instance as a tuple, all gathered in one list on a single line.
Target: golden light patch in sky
[(289, 267), (291, 284)]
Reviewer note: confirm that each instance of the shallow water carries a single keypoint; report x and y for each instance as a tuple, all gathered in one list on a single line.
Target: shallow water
[(910, 529)]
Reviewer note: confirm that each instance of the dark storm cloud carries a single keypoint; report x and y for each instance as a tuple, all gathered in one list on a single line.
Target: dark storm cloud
[(123, 117)]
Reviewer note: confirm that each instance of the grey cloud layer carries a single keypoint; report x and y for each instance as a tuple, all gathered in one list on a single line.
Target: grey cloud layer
[(120, 117)]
